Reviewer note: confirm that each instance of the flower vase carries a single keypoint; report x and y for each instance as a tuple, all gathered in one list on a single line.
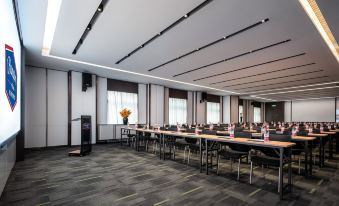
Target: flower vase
[(125, 120)]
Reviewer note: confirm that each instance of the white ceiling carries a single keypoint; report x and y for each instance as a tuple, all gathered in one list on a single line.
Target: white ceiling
[(126, 24)]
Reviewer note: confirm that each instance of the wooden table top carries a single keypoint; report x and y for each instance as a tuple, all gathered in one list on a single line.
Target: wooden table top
[(328, 132), (248, 130), (334, 130), (317, 135), (239, 140), (304, 138)]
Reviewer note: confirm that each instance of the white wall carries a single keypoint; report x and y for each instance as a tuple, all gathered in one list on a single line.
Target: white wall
[(102, 100), (35, 108), (57, 108), (157, 104), (201, 110), (7, 161), (190, 107), (287, 111), (322, 110), (227, 109), (142, 103), (83, 103)]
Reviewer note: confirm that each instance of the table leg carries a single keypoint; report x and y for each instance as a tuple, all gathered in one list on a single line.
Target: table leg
[(306, 158), (160, 145), (321, 152), (281, 174), (206, 146), (290, 169), (200, 147), (337, 142), (331, 146), (311, 158)]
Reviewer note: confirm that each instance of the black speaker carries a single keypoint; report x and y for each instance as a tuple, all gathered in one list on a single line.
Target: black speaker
[(203, 97), (86, 81)]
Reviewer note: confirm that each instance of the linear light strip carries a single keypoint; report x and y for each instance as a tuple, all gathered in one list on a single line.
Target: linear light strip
[(264, 85), (255, 65), (319, 21), (301, 90), (255, 75), (53, 9), (136, 73), (196, 9), (273, 100), (304, 73), (310, 99), (295, 87), (233, 57), (211, 44)]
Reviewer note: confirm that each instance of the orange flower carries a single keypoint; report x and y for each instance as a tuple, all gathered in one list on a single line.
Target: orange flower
[(125, 113)]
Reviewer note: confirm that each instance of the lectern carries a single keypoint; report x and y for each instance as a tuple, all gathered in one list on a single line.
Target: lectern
[(86, 137)]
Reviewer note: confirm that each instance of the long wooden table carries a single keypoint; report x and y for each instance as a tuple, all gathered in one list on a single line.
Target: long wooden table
[(279, 146)]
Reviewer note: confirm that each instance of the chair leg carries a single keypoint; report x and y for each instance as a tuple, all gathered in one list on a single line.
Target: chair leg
[(279, 180), (262, 171), (185, 153), (231, 165), (299, 165), (251, 172), (218, 162), (239, 169), (188, 158)]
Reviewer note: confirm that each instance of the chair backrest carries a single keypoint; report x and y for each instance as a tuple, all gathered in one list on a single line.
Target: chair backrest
[(172, 129), (316, 131), (280, 137), (238, 129), (210, 132), (302, 133), (163, 128), (190, 130), (243, 134)]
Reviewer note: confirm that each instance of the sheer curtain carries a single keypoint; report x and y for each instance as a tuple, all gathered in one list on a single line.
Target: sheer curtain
[(118, 101), (177, 109), (213, 112), (256, 114)]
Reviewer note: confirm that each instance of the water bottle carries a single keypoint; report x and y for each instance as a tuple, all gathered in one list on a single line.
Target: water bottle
[(294, 132), (178, 128), (211, 126), (196, 131), (231, 131), (266, 136), (136, 125)]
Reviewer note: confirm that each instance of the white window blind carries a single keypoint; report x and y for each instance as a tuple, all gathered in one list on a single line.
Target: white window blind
[(177, 109), (118, 101), (213, 112), (256, 114)]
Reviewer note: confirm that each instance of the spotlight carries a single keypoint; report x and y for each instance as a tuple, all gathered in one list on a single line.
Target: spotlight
[(100, 8), (89, 27), (74, 52)]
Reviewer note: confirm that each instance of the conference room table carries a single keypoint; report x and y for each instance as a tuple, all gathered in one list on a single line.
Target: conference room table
[(321, 138), (336, 140), (280, 147)]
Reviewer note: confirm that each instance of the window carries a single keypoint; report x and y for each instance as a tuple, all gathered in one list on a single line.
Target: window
[(119, 100), (213, 112), (177, 109), (256, 114), (240, 113)]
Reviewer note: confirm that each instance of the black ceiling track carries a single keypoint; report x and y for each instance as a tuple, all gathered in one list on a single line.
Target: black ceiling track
[(186, 16), (293, 75), (212, 43), (233, 57), (264, 85), (255, 65), (255, 75), (88, 28)]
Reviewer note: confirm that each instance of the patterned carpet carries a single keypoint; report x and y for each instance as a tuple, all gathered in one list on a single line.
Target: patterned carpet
[(114, 175)]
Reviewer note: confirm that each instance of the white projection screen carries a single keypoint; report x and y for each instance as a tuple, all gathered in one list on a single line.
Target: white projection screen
[(322, 110), (10, 73)]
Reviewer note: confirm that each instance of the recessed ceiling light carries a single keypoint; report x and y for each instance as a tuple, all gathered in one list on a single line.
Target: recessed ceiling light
[(53, 9), (319, 21), (309, 99), (186, 15), (89, 27)]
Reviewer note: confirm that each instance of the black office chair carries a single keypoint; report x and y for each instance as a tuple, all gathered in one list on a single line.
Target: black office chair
[(270, 157), (235, 152)]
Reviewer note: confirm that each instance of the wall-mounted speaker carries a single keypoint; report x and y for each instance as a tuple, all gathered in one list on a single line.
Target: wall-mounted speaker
[(203, 97), (86, 81)]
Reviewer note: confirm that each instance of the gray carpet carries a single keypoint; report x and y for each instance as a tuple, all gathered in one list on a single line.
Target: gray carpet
[(112, 175)]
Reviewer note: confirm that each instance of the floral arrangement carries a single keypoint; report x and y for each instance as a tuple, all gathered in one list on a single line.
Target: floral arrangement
[(125, 113)]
